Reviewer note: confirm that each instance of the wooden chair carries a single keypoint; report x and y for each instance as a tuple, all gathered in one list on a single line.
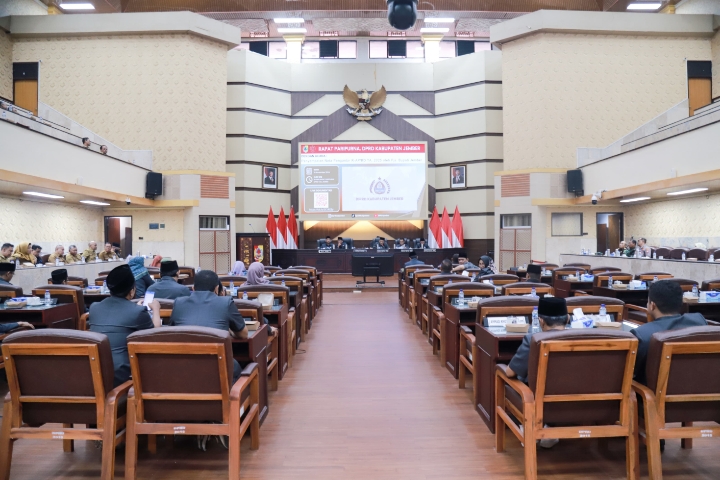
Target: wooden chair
[(316, 279), (676, 253), (663, 252), (11, 291), (64, 294), (591, 304), (74, 281), (412, 297), (4, 336), (500, 279), (575, 266), (312, 297), (182, 385), (598, 270), (166, 309), (408, 273), (601, 279), (429, 316), (678, 391), (190, 272), (524, 288), (558, 273), (254, 310), (272, 269), (685, 283), (649, 276), (699, 253), (418, 288), (588, 405), (50, 369), (707, 285), (551, 266), (237, 280), (295, 284)]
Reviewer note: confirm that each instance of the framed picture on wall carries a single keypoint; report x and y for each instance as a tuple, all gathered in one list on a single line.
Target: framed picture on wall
[(270, 177), (457, 176)]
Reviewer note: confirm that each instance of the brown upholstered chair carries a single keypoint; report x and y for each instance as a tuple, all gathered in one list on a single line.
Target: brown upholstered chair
[(416, 295), (564, 388), (271, 269), (74, 281), (591, 304), (685, 283), (190, 272), (574, 266), (59, 376), (10, 291), (254, 310), (553, 266), (663, 252), (597, 270), (166, 309), (500, 278), (237, 280), (408, 273), (676, 253), (317, 281), (64, 294), (682, 387), (295, 284), (45, 257), (183, 386), (308, 281), (430, 317), (524, 288), (649, 276), (601, 278), (709, 285), (100, 280), (700, 253)]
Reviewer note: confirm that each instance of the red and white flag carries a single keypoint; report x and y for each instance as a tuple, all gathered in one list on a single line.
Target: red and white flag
[(434, 230), (458, 240), (292, 230), (281, 230), (446, 230), (271, 228)]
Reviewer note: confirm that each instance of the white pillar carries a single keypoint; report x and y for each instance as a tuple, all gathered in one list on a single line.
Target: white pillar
[(432, 47), (294, 47)]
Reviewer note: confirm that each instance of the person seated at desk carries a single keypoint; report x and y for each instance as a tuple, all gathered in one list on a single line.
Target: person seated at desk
[(665, 302), (204, 308), (5, 252), (400, 244), (107, 254), (238, 269), (463, 263), (256, 275), (37, 253), (142, 277), (168, 286), (642, 247), (116, 248), (534, 273), (446, 266), (328, 245), (59, 276), (621, 248), (117, 317), (341, 245), (89, 254), (58, 254), (7, 272), (23, 254), (421, 244), (381, 245), (413, 259), (630, 250), (73, 256)]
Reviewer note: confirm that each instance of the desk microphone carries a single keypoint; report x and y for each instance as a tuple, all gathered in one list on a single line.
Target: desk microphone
[(253, 229)]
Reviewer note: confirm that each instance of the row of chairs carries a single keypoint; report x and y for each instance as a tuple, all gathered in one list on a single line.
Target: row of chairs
[(556, 395)]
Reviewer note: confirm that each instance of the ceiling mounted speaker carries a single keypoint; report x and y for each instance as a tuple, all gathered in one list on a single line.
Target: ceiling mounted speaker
[(402, 14)]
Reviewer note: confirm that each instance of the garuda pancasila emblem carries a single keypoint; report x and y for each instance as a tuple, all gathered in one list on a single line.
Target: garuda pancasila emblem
[(365, 105)]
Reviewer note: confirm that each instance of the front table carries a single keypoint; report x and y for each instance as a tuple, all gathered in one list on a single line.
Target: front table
[(63, 315), (637, 297), (254, 349)]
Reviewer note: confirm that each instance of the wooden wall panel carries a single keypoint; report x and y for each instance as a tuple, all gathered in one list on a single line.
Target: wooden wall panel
[(515, 185)]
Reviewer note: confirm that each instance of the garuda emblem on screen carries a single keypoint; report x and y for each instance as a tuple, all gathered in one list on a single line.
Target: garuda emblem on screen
[(365, 105)]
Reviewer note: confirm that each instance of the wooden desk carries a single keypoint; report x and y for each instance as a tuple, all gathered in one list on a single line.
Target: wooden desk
[(434, 299), (565, 288), (711, 311), (455, 317), (491, 347), (63, 315), (94, 297), (254, 349), (633, 297), (277, 316)]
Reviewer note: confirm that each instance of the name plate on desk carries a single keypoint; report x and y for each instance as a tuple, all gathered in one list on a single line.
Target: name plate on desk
[(429, 250), (502, 321), (360, 250), (382, 250), (325, 250)]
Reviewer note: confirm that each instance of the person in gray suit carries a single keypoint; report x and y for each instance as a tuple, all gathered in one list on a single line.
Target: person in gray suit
[(204, 308), (168, 286), (117, 317), (665, 302)]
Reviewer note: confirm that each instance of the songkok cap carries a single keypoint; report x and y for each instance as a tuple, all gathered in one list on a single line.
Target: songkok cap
[(413, 253), (120, 280), (552, 307), (7, 267), (59, 276), (534, 268), (462, 255), (168, 268)]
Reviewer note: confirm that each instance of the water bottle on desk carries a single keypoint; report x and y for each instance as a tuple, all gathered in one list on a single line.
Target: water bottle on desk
[(104, 287), (535, 320), (533, 293), (712, 258), (245, 296), (694, 291), (47, 297), (449, 282), (683, 255), (577, 274), (655, 278), (282, 283), (603, 313), (610, 281), (232, 285), (17, 263), (461, 297)]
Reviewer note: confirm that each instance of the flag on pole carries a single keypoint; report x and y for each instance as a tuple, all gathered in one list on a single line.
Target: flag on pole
[(271, 228), (281, 230), (457, 230), (446, 230), (434, 229), (292, 229)]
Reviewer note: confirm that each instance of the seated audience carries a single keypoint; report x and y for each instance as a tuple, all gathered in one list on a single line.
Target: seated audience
[(90, 254), (446, 266), (328, 245), (107, 254), (103, 149), (256, 275), (59, 276), (168, 286), (142, 277), (463, 263), (157, 259), (381, 244), (622, 247), (421, 244), (341, 245), (644, 250), (413, 259), (86, 142), (7, 272), (534, 273), (204, 308), (23, 253), (58, 254), (117, 317), (37, 253), (665, 302), (7, 327), (6, 252), (400, 243), (630, 250), (238, 269), (73, 256)]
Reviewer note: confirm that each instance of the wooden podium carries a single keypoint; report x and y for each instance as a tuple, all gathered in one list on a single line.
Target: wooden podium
[(247, 245)]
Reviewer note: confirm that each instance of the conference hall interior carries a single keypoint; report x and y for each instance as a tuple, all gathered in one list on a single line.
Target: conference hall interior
[(368, 239)]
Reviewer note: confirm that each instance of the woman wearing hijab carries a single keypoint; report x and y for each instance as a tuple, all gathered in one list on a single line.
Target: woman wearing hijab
[(256, 274), (238, 269), (23, 253), (142, 278), (156, 261), (484, 266)]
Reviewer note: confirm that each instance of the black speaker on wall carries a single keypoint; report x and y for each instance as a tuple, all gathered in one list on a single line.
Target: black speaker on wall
[(575, 182), (153, 185)]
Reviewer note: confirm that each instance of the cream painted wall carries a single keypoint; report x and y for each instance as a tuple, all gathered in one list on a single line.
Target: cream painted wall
[(563, 91), (161, 92), (6, 73), (22, 7), (715, 45), (167, 242)]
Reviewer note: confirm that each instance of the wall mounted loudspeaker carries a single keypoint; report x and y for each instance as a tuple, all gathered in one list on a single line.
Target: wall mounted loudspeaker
[(153, 185), (575, 182)]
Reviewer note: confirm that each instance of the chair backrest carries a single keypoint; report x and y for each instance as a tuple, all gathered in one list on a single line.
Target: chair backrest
[(582, 266), (190, 272), (293, 272), (676, 253), (321, 242), (444, 278), (681, 369), (64, 294), (601, 279), (591, 304), (663, 252), (10, 291), (279, 292), (422, 275), (307, 268), (166, 307), (270, 268), (58, 375), (563, 373), (597, 270), (295, 284), (651, 275), (411, 271), (561, 272), (685, 283), (100, 280), (707, 285), (500, 278), (181, 374), (45, 257), (699, 253), (523, 288), (470, 289), (235, 279), (505, 305), (74, 281), (250, 308), (551, 266)]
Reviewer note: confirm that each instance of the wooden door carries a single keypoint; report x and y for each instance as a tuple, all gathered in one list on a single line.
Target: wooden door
[(699, 93), (602, 237), (113, 230), (26, 95), (614, 231)]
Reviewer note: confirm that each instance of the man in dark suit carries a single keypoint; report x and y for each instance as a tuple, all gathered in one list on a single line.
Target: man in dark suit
[(458, 178), (204, 308), (421, 244), (328, 245), (414, 260), (168, 286), (59, 276), (341, 245), (37, 251), (7, 272), (664, 305), (534, 273)]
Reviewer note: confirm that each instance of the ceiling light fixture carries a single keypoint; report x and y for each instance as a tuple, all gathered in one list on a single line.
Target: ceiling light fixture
[(644, 6), (77, 6), (434, 30), (93, 202), (289, 20), (636, 199), (684, 192), (43, 195), (438, 20)]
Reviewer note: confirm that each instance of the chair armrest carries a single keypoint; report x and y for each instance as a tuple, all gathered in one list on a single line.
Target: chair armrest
[(647, 394), (636, 308), (249, 369), (243, 382), (465, 329), (712, 323), (580, 293), (117, 392), (436, 308), (522, 389)]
